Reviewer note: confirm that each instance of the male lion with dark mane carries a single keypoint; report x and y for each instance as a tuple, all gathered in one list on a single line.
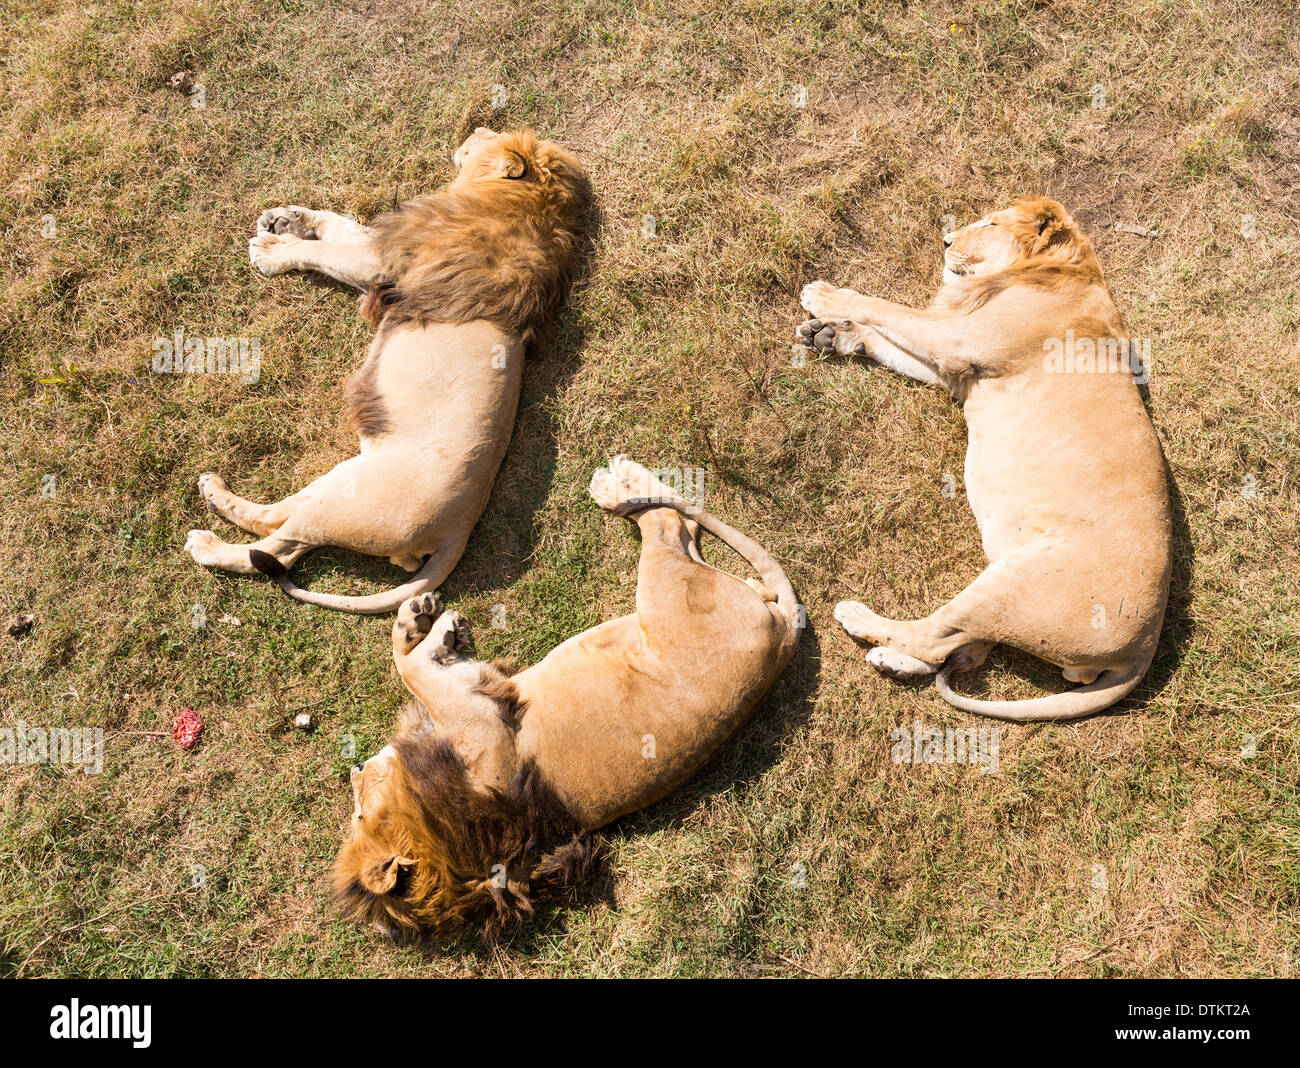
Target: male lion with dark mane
[(459, 285), (488, 791), (1063, 469)]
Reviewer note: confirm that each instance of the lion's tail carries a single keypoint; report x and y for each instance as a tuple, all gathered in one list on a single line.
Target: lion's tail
[(426, 580), (1108, 688)]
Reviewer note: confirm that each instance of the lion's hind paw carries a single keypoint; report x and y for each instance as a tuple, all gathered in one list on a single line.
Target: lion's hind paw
[(625, 486)]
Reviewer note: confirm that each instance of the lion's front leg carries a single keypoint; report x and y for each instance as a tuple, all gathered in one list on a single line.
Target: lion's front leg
[(353, 264), (312, 225), (300, 239), (941, 340), (847, 338)]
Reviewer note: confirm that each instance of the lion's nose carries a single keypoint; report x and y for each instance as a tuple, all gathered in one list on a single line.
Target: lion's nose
[(947, 240)]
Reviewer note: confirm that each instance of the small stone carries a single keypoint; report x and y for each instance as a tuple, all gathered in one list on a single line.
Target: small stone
[(21, 626), (304, 721)]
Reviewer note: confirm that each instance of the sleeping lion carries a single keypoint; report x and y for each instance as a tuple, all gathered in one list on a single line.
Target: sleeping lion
[(458, 284), (490, 787), (1063, 469)]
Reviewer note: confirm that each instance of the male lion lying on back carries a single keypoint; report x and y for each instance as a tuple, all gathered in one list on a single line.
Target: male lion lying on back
[(487, 791), (1063, 470), (458, 284)]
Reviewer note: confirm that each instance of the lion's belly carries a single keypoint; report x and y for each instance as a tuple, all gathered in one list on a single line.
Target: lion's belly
[(1063, 455), (616, 724), (450, 379), (448, 395), (1000, 496)]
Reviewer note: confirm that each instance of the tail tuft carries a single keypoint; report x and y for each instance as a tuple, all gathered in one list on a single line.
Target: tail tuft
[(267, 564)]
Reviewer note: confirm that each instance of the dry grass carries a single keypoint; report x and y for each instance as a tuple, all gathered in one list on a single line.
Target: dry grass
[(676, 351)]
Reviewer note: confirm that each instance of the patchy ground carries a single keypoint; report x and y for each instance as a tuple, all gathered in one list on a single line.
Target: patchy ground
[(771, 144)]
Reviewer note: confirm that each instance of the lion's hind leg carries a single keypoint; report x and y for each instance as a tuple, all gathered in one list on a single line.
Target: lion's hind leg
[(1023, 599), (906, 648), (261, 519), (678, 594), (328, 511), (210, 551)]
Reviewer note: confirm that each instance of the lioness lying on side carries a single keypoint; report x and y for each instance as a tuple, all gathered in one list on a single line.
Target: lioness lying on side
[(1063, 470), (489, 788), (458, 284)]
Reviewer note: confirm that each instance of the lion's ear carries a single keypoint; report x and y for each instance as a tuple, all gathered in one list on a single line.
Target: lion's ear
[(1051, 222), (512, 165), (385, 875)]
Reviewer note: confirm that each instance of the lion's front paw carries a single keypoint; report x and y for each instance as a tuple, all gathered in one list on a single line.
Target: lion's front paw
[(414, 620), (272, 253), (452, 637), (824, 301), (289, 219), (841, 337)]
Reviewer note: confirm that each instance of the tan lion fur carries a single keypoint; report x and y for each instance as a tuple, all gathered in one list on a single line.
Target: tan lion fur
[(461, 284), (1063, 470), (493, 785)]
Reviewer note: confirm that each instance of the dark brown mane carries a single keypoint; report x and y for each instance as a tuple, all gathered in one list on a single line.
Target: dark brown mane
[(367, 412), (495, 683), (465, 856), (505, 250)]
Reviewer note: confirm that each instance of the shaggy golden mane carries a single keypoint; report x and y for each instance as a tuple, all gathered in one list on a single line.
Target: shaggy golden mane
[(503, 249), (449, 854)]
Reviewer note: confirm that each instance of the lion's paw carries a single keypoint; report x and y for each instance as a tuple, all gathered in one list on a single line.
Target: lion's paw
[(414, 620), (203, 546), (823, 301), (626, 486), (453, 636), (858, 619), (895, 665), (603, 489), (840, 337), (212, 485), (289, 219), (272, 253)]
